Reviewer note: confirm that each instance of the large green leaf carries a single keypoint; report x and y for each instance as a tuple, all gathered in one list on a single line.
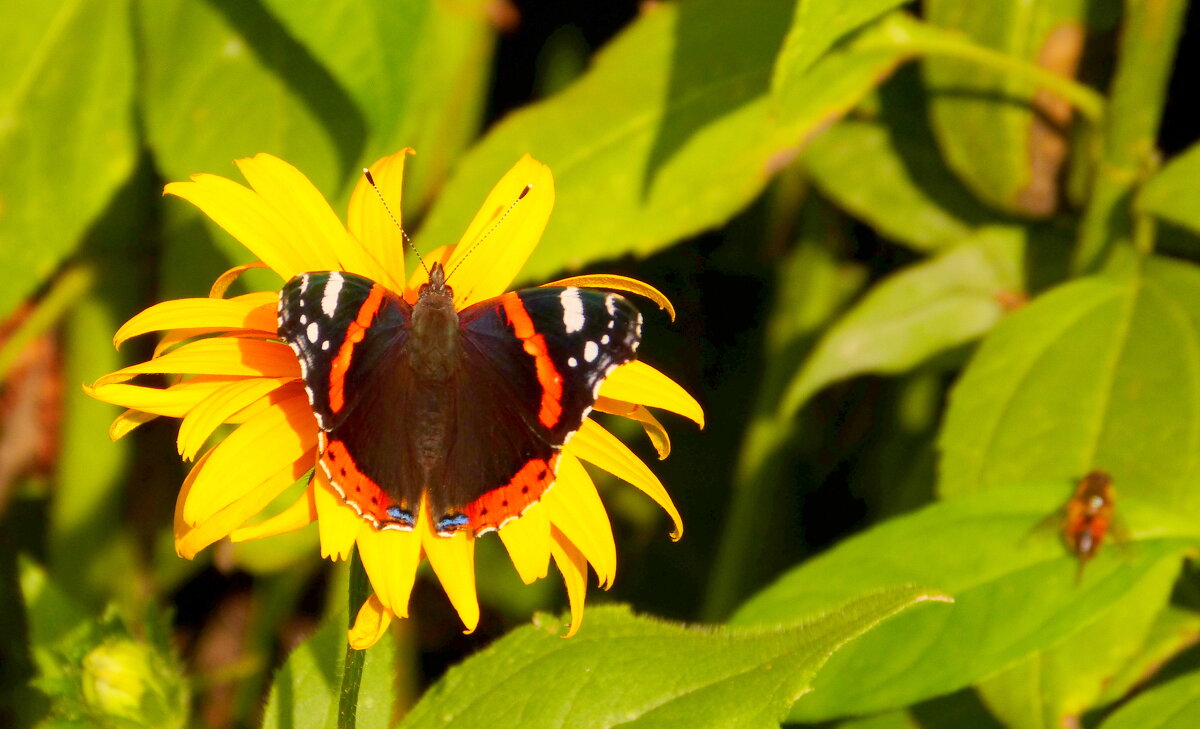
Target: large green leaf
[(1171, 706), (816, 25), (888, 172), (628, 671), (985, 551), (1053, 688), (224, 80), (416, 69), (669, 133), (66, 130), (1103, 372), (306, 689), (1172, 194), (1176, 629), (996, 130), (923, 310)]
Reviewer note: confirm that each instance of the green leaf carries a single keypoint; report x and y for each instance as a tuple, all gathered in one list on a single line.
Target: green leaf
[(998, 131), (888, 172), (50, 613), (304, 694), (66, 131), (416, 69), (1053, 688), (985, 551), (1174, 630), (668, 134), (1103, 372), (925, 309), (1174, 705), (1171, 194), (630, 671), (816, 26), (224, 80)]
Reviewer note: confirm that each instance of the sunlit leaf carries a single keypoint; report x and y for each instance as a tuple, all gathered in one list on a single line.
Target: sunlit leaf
[(628, 671), (928, 308), (986, 551), (1103, 372), (1171, 706), (66, 131), (1003, 136), (669, 133), (1053, 688), (1172, 194)]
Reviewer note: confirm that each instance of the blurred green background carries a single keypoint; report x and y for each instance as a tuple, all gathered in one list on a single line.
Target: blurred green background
[(933, 263)]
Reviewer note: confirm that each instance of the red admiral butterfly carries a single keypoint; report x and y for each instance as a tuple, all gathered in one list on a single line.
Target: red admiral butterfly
[(469, 408)]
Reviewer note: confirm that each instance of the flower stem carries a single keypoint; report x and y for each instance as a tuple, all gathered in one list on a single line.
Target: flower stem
[(1149, 38), (64, 292), (353, 666)]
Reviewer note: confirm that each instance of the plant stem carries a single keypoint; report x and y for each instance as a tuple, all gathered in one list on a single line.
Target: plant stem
[(353, 667), (904, 32), (1149, 37), (66, 290)]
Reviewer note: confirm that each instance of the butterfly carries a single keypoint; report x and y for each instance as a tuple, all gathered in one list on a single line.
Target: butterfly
[(468, 409)]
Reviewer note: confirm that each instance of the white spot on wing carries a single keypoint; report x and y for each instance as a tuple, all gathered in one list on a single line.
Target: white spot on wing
[(325, 345), (572, 362), (313, 333), (333, 288), (572, 305), (605, 339), (590, 351)]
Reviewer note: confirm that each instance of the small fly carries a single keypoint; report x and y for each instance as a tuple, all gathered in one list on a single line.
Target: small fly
[(1088, 516)]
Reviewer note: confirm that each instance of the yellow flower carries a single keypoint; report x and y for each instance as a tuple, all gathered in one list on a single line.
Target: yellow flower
[(228, 365)]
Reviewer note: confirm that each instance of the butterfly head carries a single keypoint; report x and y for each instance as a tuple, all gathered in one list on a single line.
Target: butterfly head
[(436, 285)]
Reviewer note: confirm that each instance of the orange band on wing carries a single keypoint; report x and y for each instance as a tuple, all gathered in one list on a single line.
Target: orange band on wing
[(496, 507), (535, 346), (354, 334)]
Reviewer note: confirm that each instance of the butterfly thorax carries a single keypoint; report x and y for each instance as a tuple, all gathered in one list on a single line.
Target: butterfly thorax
[(434, 343)]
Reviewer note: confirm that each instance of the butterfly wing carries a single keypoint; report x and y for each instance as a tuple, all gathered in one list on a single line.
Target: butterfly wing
[(533, 363), (349, 335)]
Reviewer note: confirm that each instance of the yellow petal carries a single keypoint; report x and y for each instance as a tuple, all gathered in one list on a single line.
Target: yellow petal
[(527, 540), (181, 527), (596, 445), (453, 561), (219, 407), (300, 514), (235, 356), (280, 435), (127, 422), (250, 219), (230, 517), (314, 222), (639, 383), (370, 624), (503, 234), (390, 558), (370, 223), (338, 524), (173, 402), (225, 280), (657, 433), (571, 564), (253, 311), (620, 283), (575, 510)]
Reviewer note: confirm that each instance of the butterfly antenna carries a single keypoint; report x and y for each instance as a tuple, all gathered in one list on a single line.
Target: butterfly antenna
[(407, 240), (490, 230)]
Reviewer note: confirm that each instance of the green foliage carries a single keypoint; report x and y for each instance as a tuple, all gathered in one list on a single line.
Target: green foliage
[(954, 273)]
